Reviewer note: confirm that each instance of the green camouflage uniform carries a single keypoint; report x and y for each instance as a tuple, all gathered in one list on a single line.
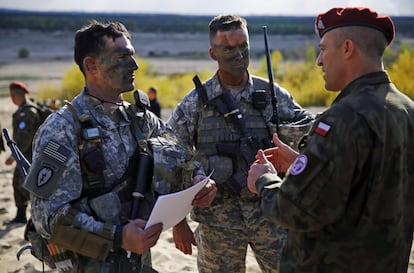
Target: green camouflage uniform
[(349, 197), (2, 147), (25, 122), (65, 184), (232, 222)]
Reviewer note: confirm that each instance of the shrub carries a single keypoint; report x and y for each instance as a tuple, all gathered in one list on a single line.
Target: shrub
[(23, 53)]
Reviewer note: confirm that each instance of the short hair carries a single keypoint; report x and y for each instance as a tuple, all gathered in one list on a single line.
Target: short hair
[(370, 41), (152, 89), (89, 39), (226, 22)]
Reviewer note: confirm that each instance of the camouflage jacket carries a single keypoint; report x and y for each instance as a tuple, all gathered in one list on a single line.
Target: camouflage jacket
[(186, 121), (63, 188), (348, 199), (26, 120)]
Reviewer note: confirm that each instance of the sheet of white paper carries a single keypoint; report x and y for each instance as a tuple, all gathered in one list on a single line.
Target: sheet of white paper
[(171, 208)]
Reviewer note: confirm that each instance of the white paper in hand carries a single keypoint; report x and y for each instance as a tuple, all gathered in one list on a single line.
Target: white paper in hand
[(171, 208)]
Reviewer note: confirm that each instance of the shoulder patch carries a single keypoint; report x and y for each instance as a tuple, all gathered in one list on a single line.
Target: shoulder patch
[(22, 125), (299, 165), (46, 171), (57, 151), (43, 176), (322, 128)]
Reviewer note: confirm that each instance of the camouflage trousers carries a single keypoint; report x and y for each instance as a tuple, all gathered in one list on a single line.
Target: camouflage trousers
[(119, 264), (21, 195), (224, 249)]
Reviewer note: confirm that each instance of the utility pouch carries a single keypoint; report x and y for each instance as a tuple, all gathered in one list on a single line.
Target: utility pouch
[(81, 241), (120, 263), (38, 245), (236, 182), (47, 252)]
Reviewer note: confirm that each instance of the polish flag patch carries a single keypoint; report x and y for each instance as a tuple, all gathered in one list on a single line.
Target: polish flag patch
[(322, 128)]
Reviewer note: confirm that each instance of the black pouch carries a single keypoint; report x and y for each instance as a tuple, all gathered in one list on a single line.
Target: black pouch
[(120, 263), (236, 182)]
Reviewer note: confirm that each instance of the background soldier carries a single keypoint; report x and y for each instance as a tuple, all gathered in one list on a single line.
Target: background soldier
[(25, 122), (155, 105)]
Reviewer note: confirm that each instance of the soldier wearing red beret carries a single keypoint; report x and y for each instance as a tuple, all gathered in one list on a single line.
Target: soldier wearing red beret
[(348, 197), (25, 122)]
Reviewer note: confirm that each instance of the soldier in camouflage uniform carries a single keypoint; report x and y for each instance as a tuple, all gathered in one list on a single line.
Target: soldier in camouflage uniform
[(223, 234), (80, 179), (349, 196), (25, 122), (2, 148)]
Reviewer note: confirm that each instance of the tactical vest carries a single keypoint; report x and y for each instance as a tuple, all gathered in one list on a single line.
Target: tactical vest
[(215, 132)]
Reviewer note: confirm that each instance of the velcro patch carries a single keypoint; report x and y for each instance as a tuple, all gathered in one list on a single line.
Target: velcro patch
[(299, 165), (47, 170), (322, 128)]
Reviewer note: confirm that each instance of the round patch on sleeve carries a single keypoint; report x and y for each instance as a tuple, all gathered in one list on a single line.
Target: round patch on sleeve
[(299, 165), (22, 125)]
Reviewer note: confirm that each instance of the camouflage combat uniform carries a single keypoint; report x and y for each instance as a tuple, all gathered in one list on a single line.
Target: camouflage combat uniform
[(2, 147), (66, 184), (348, 200), (25, 122), (232, 222)]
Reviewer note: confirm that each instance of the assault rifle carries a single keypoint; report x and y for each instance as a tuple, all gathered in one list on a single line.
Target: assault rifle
[(275, 116), (22, 163)]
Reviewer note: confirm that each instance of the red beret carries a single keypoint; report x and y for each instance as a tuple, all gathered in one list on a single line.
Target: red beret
[(20, 85), (356, 16)]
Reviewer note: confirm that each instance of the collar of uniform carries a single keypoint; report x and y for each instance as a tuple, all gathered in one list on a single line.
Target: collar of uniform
[(217, 88), (379, 77), (94, 108)]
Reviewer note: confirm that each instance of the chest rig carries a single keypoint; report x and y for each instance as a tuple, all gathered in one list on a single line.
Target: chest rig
[(225, 134), (91, 154)]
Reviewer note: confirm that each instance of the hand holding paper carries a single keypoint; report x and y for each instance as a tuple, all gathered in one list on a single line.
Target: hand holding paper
[(172, 208)]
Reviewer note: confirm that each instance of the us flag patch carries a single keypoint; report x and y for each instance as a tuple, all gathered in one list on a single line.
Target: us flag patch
[(322, 128), (56, 151)]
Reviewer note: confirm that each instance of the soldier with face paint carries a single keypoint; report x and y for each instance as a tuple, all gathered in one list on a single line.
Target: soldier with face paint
[(25, 122), (81, 174), (225, 138)]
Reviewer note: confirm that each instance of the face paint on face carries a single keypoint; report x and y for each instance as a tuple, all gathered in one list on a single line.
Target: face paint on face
[(234, 60), (232, 51), (118, 64)]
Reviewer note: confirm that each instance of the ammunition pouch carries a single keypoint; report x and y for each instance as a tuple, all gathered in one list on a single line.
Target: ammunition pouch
[(81, 241), (38, 245), (242, 155), (52, 255), (236, 182)]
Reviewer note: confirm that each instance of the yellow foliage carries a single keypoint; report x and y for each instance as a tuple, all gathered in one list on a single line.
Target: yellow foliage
[(401, 71), (46, 91), (72, 83), (303, 79)]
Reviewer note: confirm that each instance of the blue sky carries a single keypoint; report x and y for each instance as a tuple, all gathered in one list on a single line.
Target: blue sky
[(212, 7)]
